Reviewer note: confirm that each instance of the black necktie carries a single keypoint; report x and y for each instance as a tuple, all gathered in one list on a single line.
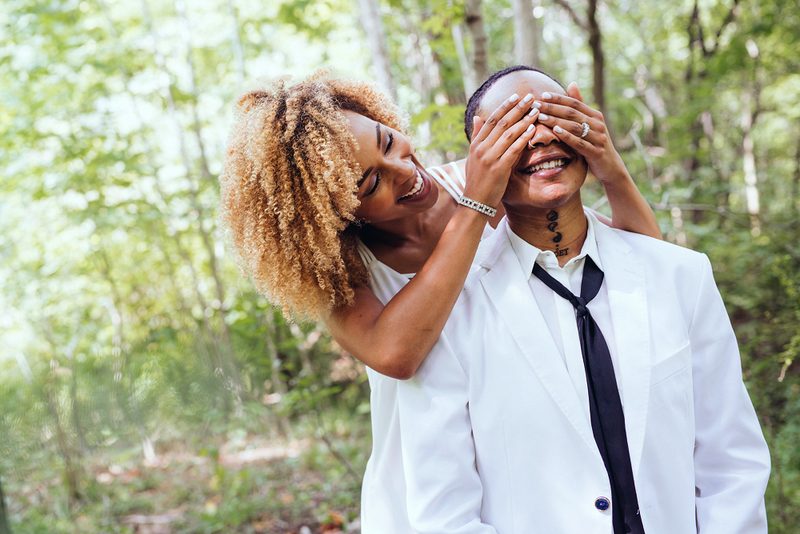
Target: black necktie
[(605, 408)]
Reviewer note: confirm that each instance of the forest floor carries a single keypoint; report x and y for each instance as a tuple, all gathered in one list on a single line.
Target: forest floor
[(305, 481)]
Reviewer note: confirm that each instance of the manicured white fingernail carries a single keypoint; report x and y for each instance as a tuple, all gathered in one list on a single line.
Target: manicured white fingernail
[(527, 99), (537, 104), (557, 129), (533, 112), (547, 96), (530, 128), (543, 117), (513, 98)]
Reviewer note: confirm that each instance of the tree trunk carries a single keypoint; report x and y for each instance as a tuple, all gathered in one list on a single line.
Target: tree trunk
[(424, 75), (122, 367), (795, 207), (598, 60), (723, 181), (480, 52), (4, 528), (72, 469), (749, 165), (371, 20), (271, 341), (76, 420), (69, 352), (527, 33), (180, 8), (467, 75), (592, 27), (236, 42)]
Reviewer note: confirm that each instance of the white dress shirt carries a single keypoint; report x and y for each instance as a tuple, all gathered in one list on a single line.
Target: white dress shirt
[(559, 314)]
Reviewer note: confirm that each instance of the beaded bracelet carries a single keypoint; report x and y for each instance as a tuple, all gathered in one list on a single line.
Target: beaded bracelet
[(478, 206)]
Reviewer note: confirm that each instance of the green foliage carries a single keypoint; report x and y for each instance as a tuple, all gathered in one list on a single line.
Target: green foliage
[(312, 17), (446, 123)]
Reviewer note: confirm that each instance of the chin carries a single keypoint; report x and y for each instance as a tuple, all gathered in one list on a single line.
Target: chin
[(537, 196)]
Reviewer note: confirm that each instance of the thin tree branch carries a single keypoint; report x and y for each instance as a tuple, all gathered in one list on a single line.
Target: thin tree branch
[(696, 22), (584, 25), (733, 12), (323, 435)]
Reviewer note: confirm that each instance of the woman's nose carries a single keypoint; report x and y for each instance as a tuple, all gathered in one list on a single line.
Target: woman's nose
[(400, 165), (400, 170)]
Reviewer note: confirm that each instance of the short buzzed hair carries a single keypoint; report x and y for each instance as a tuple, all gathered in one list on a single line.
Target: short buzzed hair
[(477, 97)]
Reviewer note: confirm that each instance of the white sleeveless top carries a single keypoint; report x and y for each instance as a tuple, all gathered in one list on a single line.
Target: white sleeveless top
[(383, 492)]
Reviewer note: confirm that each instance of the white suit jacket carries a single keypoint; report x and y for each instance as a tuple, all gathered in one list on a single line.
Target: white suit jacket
[(495, 439)]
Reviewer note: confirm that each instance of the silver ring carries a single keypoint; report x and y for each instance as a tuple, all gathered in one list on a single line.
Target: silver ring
[(585, 129)]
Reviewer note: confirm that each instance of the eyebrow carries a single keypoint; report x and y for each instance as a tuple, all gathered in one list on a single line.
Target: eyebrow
[(369, 169)]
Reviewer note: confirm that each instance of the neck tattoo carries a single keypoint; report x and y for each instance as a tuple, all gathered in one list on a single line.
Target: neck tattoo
[(553, 218)]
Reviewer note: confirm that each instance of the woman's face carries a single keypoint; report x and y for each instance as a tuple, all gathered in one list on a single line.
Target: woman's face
[(393, 184)]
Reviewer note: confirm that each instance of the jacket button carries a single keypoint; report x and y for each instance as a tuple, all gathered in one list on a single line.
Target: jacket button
[(602, 504)]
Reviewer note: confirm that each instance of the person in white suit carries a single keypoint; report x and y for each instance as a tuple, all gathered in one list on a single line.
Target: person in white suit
[(496, 426)]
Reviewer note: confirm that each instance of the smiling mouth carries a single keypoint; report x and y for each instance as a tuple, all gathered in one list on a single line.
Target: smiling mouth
[(416, 189), (546, 165)]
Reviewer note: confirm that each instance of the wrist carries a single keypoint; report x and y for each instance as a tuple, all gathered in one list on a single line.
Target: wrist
[(468, 224), (618, 178), (614, 173), (488, 198)]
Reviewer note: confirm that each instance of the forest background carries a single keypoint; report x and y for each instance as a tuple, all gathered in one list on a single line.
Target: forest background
[(145, 386)]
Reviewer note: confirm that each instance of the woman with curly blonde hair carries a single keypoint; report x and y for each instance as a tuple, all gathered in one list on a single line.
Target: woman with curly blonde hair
[(329, 211)]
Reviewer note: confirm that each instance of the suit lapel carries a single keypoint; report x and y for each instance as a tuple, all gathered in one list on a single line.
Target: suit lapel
[(627, 297), (507, 288)]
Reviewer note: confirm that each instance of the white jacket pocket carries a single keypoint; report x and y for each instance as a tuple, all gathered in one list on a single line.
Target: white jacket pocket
[(671, 365)]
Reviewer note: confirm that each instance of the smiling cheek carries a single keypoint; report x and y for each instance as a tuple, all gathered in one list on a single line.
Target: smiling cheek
[(377, 208), (366, 210)]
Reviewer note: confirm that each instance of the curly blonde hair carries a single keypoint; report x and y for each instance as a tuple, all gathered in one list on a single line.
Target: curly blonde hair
[(289, 186)]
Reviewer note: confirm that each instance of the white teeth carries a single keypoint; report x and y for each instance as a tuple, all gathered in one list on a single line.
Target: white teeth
[(548, 165), (416, 189)]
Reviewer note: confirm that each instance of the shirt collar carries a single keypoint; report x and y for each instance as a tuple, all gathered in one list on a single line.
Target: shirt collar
[(528, 254)]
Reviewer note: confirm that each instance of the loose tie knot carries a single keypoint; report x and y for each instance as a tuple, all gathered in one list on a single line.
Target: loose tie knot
[(580, 307)]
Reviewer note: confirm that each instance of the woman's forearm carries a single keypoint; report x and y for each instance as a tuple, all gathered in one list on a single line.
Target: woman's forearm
[(629, 210), (394, 339)]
